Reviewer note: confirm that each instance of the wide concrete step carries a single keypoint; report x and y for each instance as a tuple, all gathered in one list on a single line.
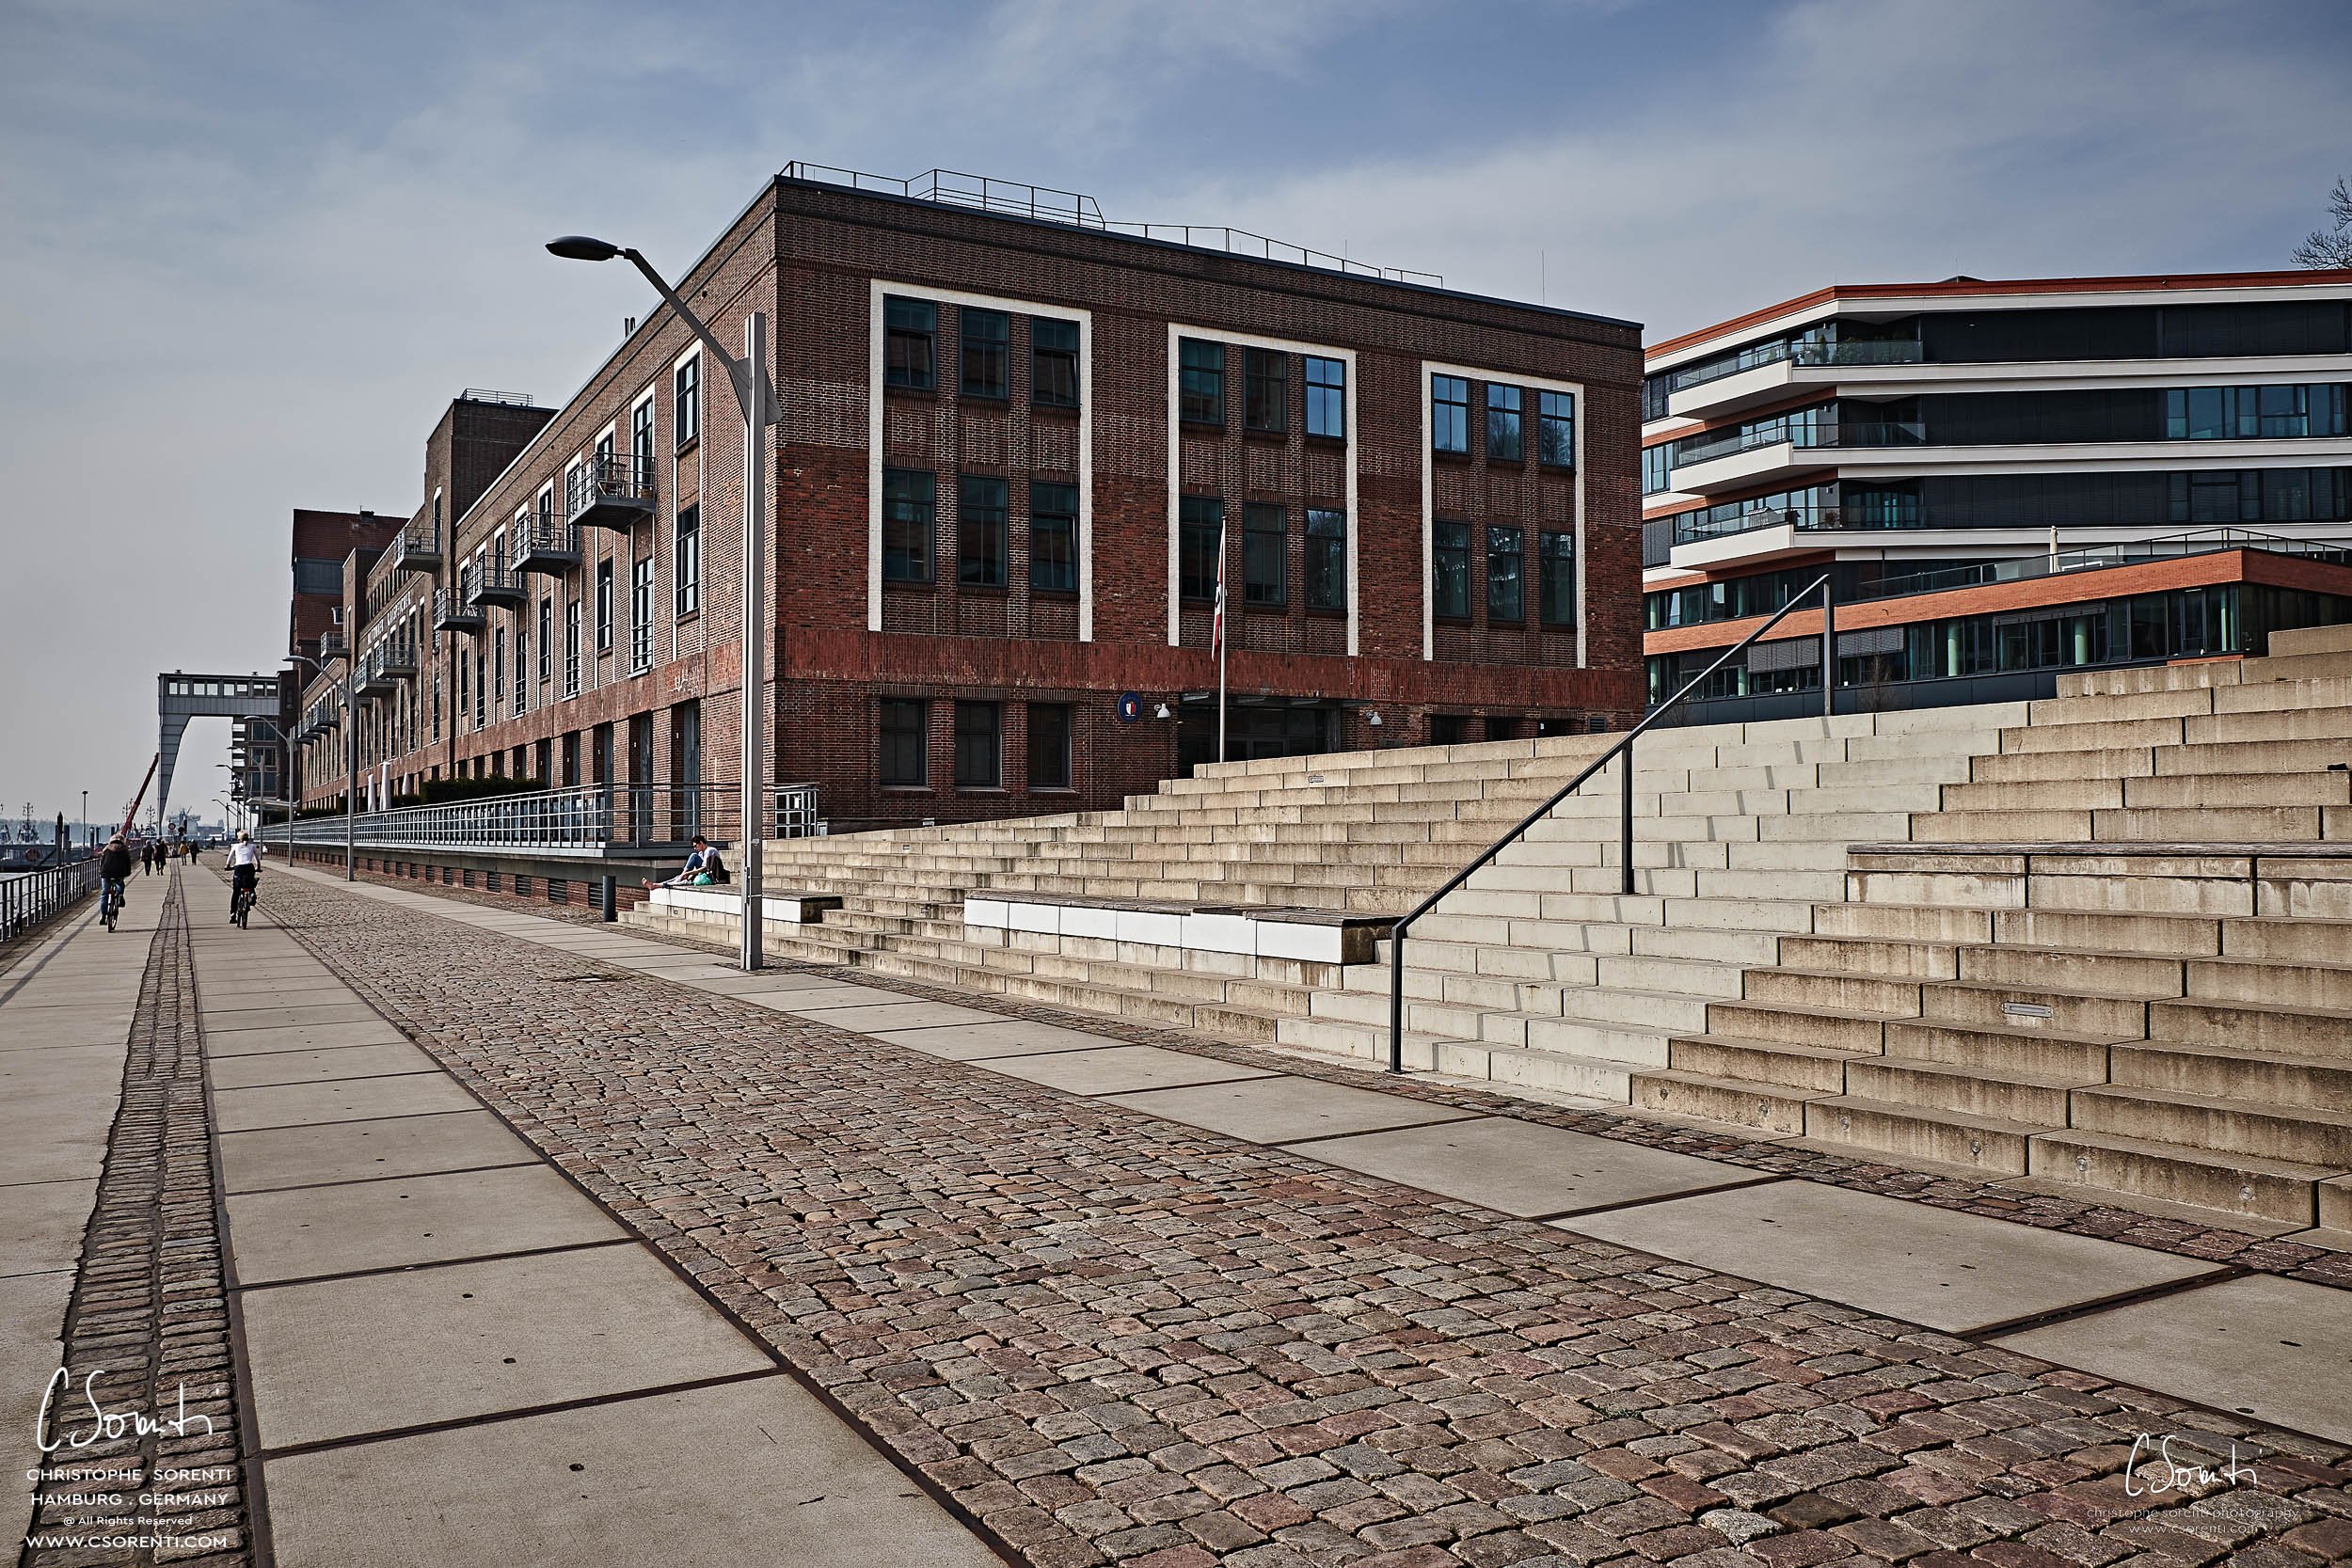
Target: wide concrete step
[(1817, 1069), (1796, 1025), (1969, 1091), (2025, 1052), (2311, 639), (2254, 1186), (2032, 1009), (1922, 1134), (2230, 1072), (1834, 991), (2298, 984), (2286, 1031), (1734, 1102), (2307, 1135), (2095, 930), (1883, 958)]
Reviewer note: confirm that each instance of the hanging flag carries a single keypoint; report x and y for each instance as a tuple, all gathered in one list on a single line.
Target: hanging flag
[(1216, 626)]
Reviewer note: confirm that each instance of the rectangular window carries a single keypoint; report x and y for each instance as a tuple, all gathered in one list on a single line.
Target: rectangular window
[(640, 613), (1265, 389), (1326, 397), (1053, 362), (1557, 552), (981, 549), (686, 557), (908, 497), (979, 752), (1506, 572), (522, 665), (911, 333), (1265, 555), (1450, 545), (985, 367), (688, 380), (904, 762), (1200, 381), (1555, 429), (1053, 537), (604, 605), (640, 441), (498, 665), (1327, 558), (481, 692), (1657, 461), (1199, 536), (1049, 746), (1504, 444), (1449, 414), (547, 507)]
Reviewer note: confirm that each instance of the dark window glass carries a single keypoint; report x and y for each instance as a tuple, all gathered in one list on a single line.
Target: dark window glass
[(688, 378), (1053, 362), (986, 369), (1506, 572), (909, 356), (1558, 564), (1049, 746), (1265, 555), (547, 639), (1054, 537), (640, 441), (1656, 463), (980, 530), (1200, 381), (1449, 413), (1200, 533), (1555, 430), (1326, 397), (908, 497), (604, 605), (1265, 393), (687, 560), (1450, 563), (1327, 558), (980, 755), (1503, 433), (1656, 389), (903, 760)]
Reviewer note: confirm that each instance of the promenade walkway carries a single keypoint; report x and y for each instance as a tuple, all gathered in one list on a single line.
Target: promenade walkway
[(539, 1237)]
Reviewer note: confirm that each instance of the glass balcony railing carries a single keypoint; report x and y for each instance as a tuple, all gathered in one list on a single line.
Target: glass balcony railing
[(1896, 351)]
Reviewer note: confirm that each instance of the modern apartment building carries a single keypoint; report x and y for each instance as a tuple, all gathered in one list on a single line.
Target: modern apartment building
[(2005, 479), (1013, 438)]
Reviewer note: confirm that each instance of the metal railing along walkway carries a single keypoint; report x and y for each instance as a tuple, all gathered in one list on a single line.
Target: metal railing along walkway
[(590, 821)]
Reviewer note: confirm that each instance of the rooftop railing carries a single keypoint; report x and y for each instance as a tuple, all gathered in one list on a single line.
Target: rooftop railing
[(586, 820)]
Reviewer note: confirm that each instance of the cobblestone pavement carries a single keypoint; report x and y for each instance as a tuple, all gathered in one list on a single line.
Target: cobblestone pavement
[(1113, 1338)]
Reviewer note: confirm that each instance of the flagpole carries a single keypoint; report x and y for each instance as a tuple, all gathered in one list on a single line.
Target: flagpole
[(1221, 639)]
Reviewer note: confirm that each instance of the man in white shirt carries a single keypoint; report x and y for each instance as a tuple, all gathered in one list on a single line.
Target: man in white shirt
[(245, 867)]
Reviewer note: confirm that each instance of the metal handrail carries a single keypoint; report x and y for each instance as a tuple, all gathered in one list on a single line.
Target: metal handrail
[(28, 898), (1624, 748)]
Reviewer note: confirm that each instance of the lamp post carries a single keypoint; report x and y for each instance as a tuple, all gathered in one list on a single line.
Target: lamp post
[(86, 814), (748, 375), (349, 699)]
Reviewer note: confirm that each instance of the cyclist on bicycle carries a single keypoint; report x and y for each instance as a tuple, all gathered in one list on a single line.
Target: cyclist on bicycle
[(245, 868), (114, 870)]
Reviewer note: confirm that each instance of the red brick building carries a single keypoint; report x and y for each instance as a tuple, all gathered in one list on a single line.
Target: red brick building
[(1009, 450)]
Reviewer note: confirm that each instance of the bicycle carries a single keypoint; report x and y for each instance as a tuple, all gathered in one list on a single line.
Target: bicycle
[(241, 905), (109, 902)]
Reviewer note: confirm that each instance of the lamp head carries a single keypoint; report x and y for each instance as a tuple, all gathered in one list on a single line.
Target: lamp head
[(580, 247)]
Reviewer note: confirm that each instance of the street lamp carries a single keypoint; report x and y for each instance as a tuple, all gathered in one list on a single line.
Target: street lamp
[(351, 762), (748, 375)]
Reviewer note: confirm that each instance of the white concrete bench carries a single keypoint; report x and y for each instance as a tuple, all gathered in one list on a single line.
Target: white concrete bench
[(1313, 936), (720, 903)]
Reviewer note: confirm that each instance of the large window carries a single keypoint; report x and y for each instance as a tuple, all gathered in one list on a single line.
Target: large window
[(1265, 555), (980, 746), (1657, 463), (908, 501), (904, 762), (1506, 572), (522, 664), (1505, 438), (1555, 429), (1200, 381), (571, 648), (640, 613), (547, 639), (1049, 746), (1449, 414), (686, 383), (1053, 537), (1557, 560), (498, 665), (1450, 549), (985, 366), (981, 530), (1265, 393), (1327, 558), (1326, 397), (686, 557), (1200, 533), (910, 344), (604, 605), (1053, 362), (640, 441), (2244, 413)]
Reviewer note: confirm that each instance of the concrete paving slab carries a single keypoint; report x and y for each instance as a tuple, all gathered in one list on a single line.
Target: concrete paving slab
[(114, 1033), (278, 1018), (739, 984), (1120, 1069), (423, 1219), (32, 1313), (834, 996), (352, 1100), (342, 1357), (297, 993), (710, 1478), (1283, 1110), (1519, 1168), (42, 1225), (2278, 1350), (1939, 1267), (59, 1134), (358, 1150), (316, 1067), (301, 1036), (864, 1017), (1013, 1038)]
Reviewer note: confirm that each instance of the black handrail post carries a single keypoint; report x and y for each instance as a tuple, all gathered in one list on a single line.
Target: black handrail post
[(1829, 648), (1625, 817), (1396, 995)]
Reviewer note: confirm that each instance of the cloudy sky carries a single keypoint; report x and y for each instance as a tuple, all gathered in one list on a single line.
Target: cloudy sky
[(248, 250)]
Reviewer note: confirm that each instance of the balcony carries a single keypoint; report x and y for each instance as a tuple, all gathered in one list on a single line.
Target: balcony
[(417, 549), (549, 549), (330, 645), (613, 491), (454, 612), (397, 658), (374, 680), (493, 584), (1768, 373)]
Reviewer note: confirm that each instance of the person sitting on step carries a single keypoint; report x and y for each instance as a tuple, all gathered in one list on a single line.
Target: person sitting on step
[(702, 869)]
